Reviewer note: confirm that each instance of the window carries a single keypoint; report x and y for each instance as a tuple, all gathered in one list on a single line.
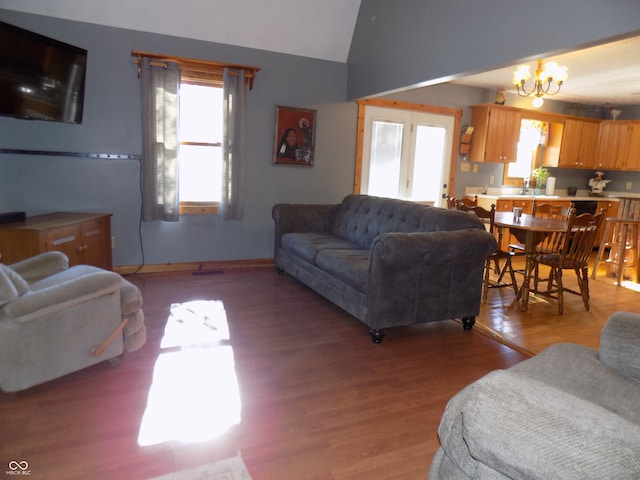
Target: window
[(205, 174), (200, 157), (533, 134)]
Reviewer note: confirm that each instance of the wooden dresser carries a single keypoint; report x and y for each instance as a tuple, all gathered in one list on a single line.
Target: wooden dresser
[(84, 237)]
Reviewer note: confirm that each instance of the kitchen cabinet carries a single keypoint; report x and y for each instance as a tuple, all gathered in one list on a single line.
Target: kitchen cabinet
[(496, 133), (579, 144), (84, 237), (619, 145)]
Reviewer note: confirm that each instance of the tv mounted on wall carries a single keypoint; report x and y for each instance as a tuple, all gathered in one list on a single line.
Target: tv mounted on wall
[(40, 78)]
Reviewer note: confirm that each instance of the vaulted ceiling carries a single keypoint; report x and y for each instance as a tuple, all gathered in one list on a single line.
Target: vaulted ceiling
[(323, 29)]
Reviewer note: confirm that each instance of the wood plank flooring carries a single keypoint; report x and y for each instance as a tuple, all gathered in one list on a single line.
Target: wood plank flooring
[(318, 399), (541, 326)]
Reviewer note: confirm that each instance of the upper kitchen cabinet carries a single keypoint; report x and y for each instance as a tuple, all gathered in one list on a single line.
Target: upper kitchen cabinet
[(579, 143), (496, 133), (619, 145)]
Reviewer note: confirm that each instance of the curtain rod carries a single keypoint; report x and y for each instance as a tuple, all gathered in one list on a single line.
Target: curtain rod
[(195, 64)]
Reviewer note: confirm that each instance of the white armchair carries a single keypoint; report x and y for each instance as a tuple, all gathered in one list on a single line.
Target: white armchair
[(55, 320)]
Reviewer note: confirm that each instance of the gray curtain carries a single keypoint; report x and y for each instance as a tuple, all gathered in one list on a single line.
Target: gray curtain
[(233, 145), (160, 144)]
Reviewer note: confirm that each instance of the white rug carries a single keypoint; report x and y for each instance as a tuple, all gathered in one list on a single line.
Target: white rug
[(228, 469)]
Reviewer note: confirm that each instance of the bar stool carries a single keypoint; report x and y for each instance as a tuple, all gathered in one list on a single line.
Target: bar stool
[(623, 246)]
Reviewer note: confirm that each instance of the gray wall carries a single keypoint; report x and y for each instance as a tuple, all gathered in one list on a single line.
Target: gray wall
[(409, 43), (38, 184)]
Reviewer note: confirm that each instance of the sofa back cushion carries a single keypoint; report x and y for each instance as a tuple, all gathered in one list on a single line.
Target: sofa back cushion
[(12, 285), (361, 218)]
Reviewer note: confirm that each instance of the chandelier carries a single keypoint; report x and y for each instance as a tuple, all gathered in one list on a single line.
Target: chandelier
[(543, 82)]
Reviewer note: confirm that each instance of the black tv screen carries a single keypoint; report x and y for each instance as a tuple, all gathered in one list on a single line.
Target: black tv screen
[(40, 78)]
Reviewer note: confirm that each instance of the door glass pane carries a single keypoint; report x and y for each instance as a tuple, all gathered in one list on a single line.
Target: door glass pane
[(428, 163), (386, 154)]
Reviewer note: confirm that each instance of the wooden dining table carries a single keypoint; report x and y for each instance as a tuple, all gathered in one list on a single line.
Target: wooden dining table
[(527, 229)]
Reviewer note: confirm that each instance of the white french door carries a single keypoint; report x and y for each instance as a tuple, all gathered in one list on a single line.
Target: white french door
[(406, 154)]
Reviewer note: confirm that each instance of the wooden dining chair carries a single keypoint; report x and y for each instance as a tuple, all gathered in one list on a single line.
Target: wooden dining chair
[(568, 250), (453, 202), (493, 261), (468, 202)]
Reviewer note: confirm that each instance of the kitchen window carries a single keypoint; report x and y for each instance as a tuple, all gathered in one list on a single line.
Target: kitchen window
[(533, 135)]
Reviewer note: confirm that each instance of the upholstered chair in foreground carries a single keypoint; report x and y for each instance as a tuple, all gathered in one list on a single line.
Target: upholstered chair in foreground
[(55, 320)]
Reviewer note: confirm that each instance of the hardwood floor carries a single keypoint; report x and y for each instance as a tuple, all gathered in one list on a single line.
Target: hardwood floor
[(318, 399), (540, 326)]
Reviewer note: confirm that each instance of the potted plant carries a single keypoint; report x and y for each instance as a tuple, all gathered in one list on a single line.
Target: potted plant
[(541, 174)]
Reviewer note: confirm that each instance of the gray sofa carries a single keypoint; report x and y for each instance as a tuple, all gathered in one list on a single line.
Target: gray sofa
[(570, 412), (387, 262)]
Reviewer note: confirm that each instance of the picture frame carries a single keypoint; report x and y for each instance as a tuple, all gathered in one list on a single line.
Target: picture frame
[(294, 136)]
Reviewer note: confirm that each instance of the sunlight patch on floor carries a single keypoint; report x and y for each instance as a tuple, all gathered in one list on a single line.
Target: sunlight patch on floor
[(630, 285), (194, 395)]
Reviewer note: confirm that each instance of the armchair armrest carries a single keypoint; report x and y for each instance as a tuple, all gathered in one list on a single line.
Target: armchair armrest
[(620, 344), (290, 217), (57, 298), (41, 266)]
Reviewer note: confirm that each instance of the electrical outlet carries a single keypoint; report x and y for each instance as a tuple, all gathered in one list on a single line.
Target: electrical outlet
[(113, 243), (475, 168), (491, 180), (628, 185)]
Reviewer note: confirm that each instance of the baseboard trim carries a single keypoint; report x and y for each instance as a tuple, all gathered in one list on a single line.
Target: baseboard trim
[(194, 266)]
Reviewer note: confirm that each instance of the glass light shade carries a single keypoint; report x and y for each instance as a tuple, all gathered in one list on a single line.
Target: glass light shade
[(522, 74), (561, 74), (537, 102), (549, 71)]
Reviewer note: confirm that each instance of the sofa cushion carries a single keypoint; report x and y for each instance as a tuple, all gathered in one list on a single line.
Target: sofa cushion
[(361, 218), (307, 245), (583, 375), (620, 344), (348, 265), (533, 431), (20, 283), (64, 276), (8, 291)]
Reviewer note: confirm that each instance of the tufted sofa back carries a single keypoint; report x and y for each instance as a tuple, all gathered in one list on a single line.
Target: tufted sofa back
[(361, 218)]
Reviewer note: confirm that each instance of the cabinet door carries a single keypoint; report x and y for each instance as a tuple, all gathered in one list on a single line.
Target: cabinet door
[(503, 132), (579, 144), (613, 146), (633, 158), (96, 242)]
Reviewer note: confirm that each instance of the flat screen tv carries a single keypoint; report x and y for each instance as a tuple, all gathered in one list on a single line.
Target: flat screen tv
[(40, 78)]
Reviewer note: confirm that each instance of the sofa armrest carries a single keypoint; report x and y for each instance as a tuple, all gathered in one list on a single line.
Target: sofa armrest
[(620, 344), (425, 277), (290, 217), (433, 247), (57, 298), (41, 266)]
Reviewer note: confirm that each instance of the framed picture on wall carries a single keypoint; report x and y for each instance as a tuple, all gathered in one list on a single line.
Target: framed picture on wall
[(294, 136)]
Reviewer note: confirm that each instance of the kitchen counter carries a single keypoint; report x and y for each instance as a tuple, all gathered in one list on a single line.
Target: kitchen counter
[(510, 196)]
